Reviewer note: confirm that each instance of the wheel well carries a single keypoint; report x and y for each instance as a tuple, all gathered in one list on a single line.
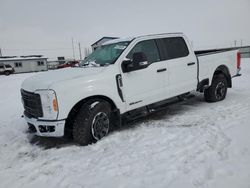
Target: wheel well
[(73, 112), (222, 69), (202, 84)]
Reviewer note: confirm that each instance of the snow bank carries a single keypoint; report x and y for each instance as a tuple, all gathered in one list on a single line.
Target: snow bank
[(190, 144)]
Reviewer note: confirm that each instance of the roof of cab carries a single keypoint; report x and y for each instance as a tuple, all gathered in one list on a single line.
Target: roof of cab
[(132, 38)]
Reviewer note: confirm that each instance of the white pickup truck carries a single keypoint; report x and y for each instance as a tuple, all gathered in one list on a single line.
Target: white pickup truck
[(123, 78)]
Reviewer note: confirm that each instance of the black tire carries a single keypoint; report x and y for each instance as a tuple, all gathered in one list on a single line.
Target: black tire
[(218, 89), (7, 73), (92, 122)]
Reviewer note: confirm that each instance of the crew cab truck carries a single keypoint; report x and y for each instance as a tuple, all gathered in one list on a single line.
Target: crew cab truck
[(6, 69), (123, 77)]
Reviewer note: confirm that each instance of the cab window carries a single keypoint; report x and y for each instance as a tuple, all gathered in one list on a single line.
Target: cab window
[(175, 47), (149, 48)]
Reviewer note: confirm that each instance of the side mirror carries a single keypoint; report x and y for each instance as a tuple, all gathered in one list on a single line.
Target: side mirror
[(139, 62), (127, 66)]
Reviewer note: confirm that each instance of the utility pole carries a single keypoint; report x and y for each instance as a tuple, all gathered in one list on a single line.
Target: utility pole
[(73, 48), (241, 42), (235, 43), (1, 52), (80, 51)]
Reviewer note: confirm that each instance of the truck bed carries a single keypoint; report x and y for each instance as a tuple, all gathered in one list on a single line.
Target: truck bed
[(209, 60)]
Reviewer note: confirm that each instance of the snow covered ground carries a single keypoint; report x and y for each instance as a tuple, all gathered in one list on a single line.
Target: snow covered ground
[(190, 144)]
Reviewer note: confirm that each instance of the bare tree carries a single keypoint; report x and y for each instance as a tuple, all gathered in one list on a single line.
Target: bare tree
[(86, 51)]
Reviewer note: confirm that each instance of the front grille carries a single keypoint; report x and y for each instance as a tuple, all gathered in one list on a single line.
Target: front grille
[(32, 104)]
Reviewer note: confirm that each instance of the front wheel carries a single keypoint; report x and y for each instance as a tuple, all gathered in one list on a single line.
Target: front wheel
[(218, 89), (92, 122)]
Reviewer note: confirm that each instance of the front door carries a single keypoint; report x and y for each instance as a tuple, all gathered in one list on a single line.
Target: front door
[(143, 86)]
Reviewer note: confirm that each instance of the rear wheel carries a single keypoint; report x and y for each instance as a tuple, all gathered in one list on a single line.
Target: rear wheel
[(92, 122), (218, 89)]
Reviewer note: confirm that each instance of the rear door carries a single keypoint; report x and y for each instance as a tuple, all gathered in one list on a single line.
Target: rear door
[(182, 66)]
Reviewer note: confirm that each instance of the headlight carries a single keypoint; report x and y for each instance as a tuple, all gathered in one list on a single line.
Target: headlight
[(49, 104)]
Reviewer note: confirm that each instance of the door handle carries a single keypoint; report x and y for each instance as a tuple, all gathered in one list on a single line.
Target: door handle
[(192, 63), (161, 70)]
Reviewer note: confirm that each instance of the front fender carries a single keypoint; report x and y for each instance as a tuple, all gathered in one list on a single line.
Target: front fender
[(69, 98)]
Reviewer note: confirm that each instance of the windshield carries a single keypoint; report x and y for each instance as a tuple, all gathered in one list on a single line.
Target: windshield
[(105, 55)]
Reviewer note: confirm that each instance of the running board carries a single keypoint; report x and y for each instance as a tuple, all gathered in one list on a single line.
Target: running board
[(156, 107)]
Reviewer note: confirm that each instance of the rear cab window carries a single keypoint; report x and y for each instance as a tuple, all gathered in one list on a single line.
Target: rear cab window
[(173, 47)]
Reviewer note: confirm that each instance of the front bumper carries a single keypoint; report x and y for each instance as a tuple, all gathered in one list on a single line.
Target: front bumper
[(46, 128)]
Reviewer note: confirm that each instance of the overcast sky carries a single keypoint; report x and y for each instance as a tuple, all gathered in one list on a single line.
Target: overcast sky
[(47, 26)]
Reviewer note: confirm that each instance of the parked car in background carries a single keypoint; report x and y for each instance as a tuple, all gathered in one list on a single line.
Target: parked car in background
[(68, 64), (6, 69)]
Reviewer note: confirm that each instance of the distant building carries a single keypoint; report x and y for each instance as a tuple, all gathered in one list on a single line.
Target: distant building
[(32, 63), (101, 41)]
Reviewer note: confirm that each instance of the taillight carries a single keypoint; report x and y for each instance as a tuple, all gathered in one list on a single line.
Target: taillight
[(238, 60)]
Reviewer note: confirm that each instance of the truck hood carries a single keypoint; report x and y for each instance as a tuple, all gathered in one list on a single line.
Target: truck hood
[(45, 80)]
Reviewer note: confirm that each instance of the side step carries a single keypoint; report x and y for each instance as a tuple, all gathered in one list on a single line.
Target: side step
[(152, 108)]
